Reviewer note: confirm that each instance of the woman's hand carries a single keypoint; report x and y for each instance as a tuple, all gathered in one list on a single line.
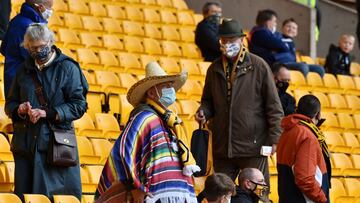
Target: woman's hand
[(24, 108), (36, 114)]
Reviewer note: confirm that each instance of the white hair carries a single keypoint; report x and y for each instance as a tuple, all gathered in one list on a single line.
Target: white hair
[(38, 32)]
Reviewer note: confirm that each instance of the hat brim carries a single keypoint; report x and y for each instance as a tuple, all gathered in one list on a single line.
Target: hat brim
[(136, 93), (233, 35)]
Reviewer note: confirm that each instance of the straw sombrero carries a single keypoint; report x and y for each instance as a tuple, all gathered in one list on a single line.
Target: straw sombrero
[(154, 75)]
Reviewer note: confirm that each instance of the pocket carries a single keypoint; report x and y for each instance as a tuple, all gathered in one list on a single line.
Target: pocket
[(22, 141), (43, 138)]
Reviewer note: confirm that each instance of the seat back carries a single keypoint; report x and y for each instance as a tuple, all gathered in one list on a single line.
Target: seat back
[(337, 189), (106, 122), (36, 198), (65, 199), (341, 160), (9, 198)]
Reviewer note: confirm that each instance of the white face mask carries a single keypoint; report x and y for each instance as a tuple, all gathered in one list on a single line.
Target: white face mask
[(273, 30), (230, 50), (47, 14)]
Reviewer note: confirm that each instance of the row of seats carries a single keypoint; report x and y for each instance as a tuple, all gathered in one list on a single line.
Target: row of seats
[(341, 122), (345, 142), (37, 198)]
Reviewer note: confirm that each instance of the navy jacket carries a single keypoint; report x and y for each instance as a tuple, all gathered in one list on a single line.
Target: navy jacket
[(265, 44), (11, 47), (337, 61), (206, 38), (287, 56), (287, 102)]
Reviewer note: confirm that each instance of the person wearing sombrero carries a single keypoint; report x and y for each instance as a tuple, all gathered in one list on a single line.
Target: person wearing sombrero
[(151, 158)]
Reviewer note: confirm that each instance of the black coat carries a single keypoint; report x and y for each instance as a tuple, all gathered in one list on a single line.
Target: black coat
[(337, 61), (206, 38), (243, 196), (287, 102)]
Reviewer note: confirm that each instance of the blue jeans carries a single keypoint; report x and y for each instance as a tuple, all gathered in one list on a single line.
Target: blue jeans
[(305, 68)]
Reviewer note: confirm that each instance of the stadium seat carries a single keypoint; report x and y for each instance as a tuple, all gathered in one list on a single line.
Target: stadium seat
[(85, 127), (191, 90), (351, 141), (346, 83), (133, 28), (272, 167), (65, 199), (87, 199), (331, 83), (297, 80), (132, 1), (78, 6), (307, 59), (357, 121), (88, 59), (108, 60), (92, 23), (171, 48), (355, 158), (331, 123), (90, 77), (60, 6), (170, 33), (204, 67), (352, 186), (87, 186), (108, 124), (314, 80), (131, 63), (134, 13), (152, 46), (179, 4), (91, 40), (189, 108), (342, 165), (320, 61), (112, 26), (357, 82), (346, 121), (353, 102), (355, 69), (338, 102), (145, 59), (55, 22), (32, 198), (115, 11), (198, 18), (190, 50), (120, 105), (193, 70), (102, 148), (86, 151), (5, 121), (73, 21), (126, 80), (133, 44), (187, 34), (337, 190), (168, 17), (7, 176), (148, 2), (113, 42), (5, 153), (164, 3), (273, 190), (94, 104), (94, 173), (324, 100), (69, 38), (152, 31), (151, 15), (109, 82), (170, 65), (336, 142), (185, 18), (9, 198), (69, 53), (97, 9)]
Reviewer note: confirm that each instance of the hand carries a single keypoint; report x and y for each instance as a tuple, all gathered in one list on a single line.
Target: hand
[(36, 114), (189, 170), (273, 151), (200, 117), (24, 108), (139, 195)]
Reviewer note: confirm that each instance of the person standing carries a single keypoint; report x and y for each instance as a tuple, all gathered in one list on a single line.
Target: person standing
[(242, 105), (303, 163), (206, 33), (5, 11), (64, 88), (32, 11)]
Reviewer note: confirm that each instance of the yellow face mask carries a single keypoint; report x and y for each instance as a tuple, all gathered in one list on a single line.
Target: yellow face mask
[(260, 190)]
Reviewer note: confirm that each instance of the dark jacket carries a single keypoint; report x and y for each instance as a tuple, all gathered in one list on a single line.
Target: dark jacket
[(337, 61), (252, 118), (11, 47), (243, 196), (287, 102), (301, 166), (265, 44), (287, 56), (206, 38), (64, 86)]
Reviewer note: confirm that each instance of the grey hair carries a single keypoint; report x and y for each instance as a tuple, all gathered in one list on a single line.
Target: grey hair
[(37, 32)]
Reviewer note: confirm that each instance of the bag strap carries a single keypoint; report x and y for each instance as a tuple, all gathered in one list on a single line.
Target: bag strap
[(39, 90)]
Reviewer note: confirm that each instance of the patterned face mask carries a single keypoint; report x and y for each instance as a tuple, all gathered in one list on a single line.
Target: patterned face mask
[(230, 50), (41, 55)]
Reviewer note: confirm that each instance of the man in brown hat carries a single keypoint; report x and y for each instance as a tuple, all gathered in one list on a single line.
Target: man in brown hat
[(242, 104)]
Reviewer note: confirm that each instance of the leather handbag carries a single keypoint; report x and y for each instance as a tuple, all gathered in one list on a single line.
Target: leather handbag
[(63, 147)]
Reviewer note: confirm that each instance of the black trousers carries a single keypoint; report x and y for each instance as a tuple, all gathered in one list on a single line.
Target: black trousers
[(5, 10)]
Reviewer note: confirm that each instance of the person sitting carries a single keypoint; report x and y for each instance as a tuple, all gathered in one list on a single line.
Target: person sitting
[(289, 32), (206, 33), (338, 60), (218, 189), (262, 40), (282, 78)]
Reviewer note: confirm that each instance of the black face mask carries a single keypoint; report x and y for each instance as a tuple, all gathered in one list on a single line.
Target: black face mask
[(215, 19), (282, 86)]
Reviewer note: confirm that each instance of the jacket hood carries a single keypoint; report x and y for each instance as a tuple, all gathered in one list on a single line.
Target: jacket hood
[(291, 120), (29, 12), (29, 63)]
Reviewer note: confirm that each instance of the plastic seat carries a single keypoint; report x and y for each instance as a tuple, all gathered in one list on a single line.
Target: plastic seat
[(191, 90), (92, 23), (94, 173), (151, 15), (203, 65), (346, 82), (91, 40), (65, 199), (185, 18), (338, 102), (78, 6), (336, 142), (5, 153), (352, 186), (88, 59), (273, 189), (170, 33), (113, 42), (69, 53), (180, 4), (60, 6), (152, 31), (55, 22), (164, 3), (97, 9), (109, 60), (297, 80), (115, 11), (145, 59), (108, 124), (351, 141), (152, 47), (109, 82), (189, 108), (353, 102), (130, 63), (90, 77), (148, 2), (315, 81), (69, 38), (5, 121), (133, 28), (87, 187), (120, 105), (112, 26), (307, 59), (32, 198), (331, 83), (357, 121), (86, 151), (134, 14), (346, 121), (171, 48), (87, 199), (300, 93), (342, 165), (187, 34), (169, 64), (192, 69), (94, 104), (9, 197), (337, 190), (102, 148), (324, 100), (168, 17), (7, 170), (85, 127), (198, 18), (355, 158), (190, 50), (355, 69), (331, 123), (357, 82), (126, 80), (73, 21), (133, 44)]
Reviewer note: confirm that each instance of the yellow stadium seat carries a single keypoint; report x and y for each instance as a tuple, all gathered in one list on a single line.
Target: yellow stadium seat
[(352, 186), (112, 26), (5, 153), (109, 82), (169, 64), (336, 142), (152, 31), (190, 127), (337, 190), (297, 80), (78, 6), (346, 82), (307, 59), (91, 40), (120, 105), (87, 199), (5, 121), (170, 33), (97, 9), (115, 11), (180, 4), (351, 141), (300, 93), (92, 23), (357, 82), (86, 151), (102, 148), (198, 18), (355, 158), (185, 18), (65, 199), (315, 81), (60, 6), (346, 121), (69, 53), (203, 65), (152, 46), (90, 77), (88, 59), (338, 102), (73, 21), (331, 123), (109, 60), (69, 38), (151, 15), (342, 165), (324, 100), (108, 124), (164, 3), (190, 50), (7, 170), (273, 189), (134, 13), (191, 90), (187, 34), (192, 69), (320, 61), (272, 166), (331, 83), (171, 48), (32, 198), (130, 63), (133, 44), (189, 108), (353, 102), (113, 42), (355, 68), (94, 173), (148, 2), (357, 121), (145, 59), (56, 22), (94, 104), (85, 127), (87, 186), (133, 28), (126, 80), (168, 17), (9, 197)]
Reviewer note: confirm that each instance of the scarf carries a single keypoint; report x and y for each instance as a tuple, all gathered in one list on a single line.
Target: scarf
[(175, 124), (320, 136)]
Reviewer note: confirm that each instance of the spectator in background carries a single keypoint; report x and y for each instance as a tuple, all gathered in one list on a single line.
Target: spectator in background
[(206, 33), (282, 79), (66, 102), (262, 39), (289, 32), (5, 11), (301, 154), (252, 187), (338, 60), (32, 11), (241, 101), (218, 189)]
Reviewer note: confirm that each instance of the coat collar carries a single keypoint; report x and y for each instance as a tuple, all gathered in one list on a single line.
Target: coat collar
[(242, 67), (28, 11)]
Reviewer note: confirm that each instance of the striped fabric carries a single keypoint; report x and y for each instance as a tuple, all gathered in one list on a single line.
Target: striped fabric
[(143, 158)]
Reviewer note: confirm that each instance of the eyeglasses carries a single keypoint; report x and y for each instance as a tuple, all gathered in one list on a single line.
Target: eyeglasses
[(261, 189)]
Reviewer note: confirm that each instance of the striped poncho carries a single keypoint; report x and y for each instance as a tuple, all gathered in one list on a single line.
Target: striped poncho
[(143, 157)]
